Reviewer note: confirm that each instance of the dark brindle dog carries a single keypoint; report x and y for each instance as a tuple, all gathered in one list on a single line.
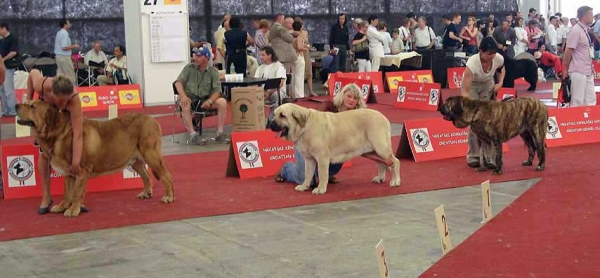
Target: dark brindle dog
[(495, 122)]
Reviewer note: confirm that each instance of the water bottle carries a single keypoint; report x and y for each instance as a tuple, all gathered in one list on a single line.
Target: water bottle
[(232, 69)]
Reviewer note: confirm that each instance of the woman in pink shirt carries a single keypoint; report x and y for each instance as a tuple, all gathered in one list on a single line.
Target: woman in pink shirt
[(533, 34)]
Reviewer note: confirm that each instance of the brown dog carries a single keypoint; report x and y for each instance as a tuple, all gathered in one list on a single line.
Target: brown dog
[(108, 147), (495, 122)]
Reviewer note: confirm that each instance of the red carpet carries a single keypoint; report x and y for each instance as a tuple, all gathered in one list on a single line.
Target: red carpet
[(549, 231), (208, 192)]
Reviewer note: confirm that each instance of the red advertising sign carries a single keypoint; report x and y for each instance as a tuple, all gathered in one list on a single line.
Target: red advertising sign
[(573, 126), (99, 98), (21, 178), (420, 76), (363, 84), (506, 93), (455, 76), (433, 139), (419, 96), (374, 76), (258, 154), (597, 70)]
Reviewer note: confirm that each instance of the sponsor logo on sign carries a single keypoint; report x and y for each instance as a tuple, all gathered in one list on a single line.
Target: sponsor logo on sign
[(88, 99), (401, 93), (249, 155), (21, 171), (553, 131), (337, 87), (421, 140), (434, 97), (128, 97), (365, 90)]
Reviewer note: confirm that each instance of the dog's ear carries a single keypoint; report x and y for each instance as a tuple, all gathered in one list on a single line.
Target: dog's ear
[(50, 118), (457, 106), (300, 116)]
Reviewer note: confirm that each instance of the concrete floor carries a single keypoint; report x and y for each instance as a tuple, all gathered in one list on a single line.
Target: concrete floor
[(325, 240)]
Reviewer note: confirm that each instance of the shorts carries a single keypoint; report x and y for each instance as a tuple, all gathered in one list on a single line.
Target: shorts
[(195, 103)]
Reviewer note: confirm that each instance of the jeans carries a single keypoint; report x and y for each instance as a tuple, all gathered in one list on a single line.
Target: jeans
[(7, 94), (294, 172), (339, 60)]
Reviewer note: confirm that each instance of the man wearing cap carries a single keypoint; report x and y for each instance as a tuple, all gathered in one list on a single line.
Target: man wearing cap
[(198, 85)]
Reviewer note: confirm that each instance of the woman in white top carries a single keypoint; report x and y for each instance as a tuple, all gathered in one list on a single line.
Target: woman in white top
[(404, 33), (478, 83), (375, 43), (387, 39), (298, 71), (522, 39)]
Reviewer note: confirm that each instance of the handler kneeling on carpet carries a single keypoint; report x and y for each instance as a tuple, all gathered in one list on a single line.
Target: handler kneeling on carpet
[(57, 91), (478, 83), (348, 99)]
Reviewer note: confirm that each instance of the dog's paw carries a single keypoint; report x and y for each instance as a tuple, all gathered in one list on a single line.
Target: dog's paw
[(497, 172), (301, 188), (395, 183), (540, 168), (144, 195), (73, 211), (527, 163), (377, 179), (482, 169), (167, 199), (60, 208), (319, 191)]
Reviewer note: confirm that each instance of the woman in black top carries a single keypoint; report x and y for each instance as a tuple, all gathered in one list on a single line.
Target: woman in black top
[(236, 41), (360, 41)]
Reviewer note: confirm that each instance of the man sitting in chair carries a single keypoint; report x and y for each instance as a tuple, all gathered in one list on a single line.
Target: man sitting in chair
[(271, 68), (199, 88)]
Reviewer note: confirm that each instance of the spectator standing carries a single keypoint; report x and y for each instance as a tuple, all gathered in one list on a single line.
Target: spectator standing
[(10, 62), (578, 60), (339, 37), (63, 49)]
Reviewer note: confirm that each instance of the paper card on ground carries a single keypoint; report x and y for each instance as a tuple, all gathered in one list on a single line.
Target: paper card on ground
[(555, 89), (21, 130), (486, 201), (113, 111), (381, 261), (442, 224)]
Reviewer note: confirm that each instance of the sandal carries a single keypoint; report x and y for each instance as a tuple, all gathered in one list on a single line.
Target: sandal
[(278, 177)]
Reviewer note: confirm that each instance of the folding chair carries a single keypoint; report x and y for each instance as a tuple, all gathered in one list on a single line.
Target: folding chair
[(273, 83), (198, 114)]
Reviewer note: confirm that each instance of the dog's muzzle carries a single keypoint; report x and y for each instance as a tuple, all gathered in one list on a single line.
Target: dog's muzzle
[(280, 130), (446, 114), (26, 123)]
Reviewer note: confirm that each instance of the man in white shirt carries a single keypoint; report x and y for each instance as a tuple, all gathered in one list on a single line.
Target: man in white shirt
[(98, 59), (63, 50), (424, 35), (115, 64), (375, 43), (271, 68), (561, 33), (552, 36)]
